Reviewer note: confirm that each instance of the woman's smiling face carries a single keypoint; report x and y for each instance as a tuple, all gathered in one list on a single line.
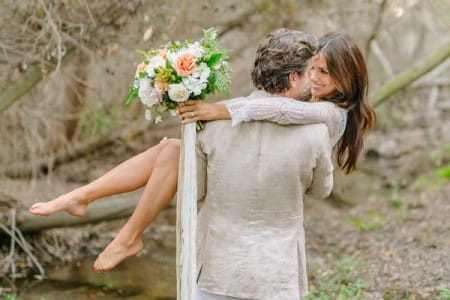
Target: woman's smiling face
[(321, 82)]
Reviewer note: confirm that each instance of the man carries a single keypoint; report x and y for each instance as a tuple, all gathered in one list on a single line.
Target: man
[(253, 178)]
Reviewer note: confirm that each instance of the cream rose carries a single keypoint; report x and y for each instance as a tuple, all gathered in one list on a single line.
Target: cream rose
[(178, 92)]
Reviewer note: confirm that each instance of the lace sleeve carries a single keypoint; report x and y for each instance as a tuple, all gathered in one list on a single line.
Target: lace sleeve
[(286, 111)]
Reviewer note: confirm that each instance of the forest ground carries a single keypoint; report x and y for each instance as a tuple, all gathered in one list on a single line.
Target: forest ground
[(392, 243)]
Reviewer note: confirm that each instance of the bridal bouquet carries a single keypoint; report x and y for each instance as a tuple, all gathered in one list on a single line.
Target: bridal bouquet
[(180, 71)]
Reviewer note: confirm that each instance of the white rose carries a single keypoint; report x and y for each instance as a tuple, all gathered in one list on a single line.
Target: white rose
[(158, 119), (178, 92), (148, 95), (155, 62), (194, 85), (202, 72), (195, 49)]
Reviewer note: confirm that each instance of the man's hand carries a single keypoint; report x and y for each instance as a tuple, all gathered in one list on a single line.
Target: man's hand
[(197, 110)]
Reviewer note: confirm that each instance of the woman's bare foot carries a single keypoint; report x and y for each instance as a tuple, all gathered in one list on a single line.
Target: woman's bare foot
[(116, 252), (73, 203)]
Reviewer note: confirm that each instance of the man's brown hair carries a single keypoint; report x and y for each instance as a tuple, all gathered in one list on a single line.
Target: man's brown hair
[(282, 52)]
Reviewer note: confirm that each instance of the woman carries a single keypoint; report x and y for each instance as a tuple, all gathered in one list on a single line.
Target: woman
[(338, 96)]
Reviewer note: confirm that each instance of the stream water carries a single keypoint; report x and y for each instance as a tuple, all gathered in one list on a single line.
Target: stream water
[(148, 276)]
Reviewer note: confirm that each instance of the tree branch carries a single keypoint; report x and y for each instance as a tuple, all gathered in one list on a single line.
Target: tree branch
[(407, 77), (376, 27), (24, 85)]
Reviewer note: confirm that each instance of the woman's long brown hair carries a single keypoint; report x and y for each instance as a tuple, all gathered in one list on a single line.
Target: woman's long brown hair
[(347, 68)]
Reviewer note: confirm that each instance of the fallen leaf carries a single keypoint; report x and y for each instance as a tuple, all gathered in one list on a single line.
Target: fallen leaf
[(148, 34)]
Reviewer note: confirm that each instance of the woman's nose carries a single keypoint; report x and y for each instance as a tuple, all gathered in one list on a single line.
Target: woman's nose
[(312, 75)]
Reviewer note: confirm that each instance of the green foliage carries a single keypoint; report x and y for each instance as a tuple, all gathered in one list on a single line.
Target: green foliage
[(395, 203), (144, 53), (97, 121), (429, 183), (222, 80), (167, 75), (214, 59), (215, 56), (395, 195), (210, 42), (342, 285), (8, 296), (444, 172), (133, 92), (443, 293), (370, 221)]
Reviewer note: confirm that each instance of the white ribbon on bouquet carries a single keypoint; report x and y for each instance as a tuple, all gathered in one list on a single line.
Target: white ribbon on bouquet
[(187, 215)]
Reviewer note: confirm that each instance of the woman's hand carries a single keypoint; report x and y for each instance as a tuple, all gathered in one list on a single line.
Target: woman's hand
[(197, 110)]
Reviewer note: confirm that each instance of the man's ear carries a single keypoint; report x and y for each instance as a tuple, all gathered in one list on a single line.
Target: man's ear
[(292, 76)]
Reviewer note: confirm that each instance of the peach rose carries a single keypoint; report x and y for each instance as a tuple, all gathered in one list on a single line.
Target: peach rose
[(185, 64), (140, 68), (161, 86)]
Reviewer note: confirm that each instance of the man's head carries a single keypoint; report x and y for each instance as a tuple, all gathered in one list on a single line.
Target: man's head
[(281, 61)]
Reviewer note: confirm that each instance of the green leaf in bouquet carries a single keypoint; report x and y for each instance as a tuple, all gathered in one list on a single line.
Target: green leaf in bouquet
[(222, 81), (133, 92), (199, 126), (210, 42), (215, 58), (202, 96), (174, 46), (152, 52), (171, 104), (168, 102), (166, 75), (144, 53), (168, 64), (211, 85)]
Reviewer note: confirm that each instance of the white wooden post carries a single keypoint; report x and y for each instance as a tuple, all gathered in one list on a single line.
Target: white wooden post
[(187, 215)]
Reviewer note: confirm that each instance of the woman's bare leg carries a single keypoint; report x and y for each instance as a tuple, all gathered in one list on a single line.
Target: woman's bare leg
[(128, 176), (158, 192)]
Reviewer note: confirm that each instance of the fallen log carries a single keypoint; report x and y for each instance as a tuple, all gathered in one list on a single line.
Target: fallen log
[(115, 207)]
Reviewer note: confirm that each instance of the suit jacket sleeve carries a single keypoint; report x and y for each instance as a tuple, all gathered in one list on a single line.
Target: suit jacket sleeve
[(201, 168), (322, 182)]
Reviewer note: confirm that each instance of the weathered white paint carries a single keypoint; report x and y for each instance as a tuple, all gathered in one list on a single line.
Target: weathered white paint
[(187, 215)]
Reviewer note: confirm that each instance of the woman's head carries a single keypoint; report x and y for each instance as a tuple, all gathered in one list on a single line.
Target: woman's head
[(338, 73), (321, 83)]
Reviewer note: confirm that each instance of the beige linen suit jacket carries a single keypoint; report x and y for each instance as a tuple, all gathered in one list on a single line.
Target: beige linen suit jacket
[(253, 179)]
